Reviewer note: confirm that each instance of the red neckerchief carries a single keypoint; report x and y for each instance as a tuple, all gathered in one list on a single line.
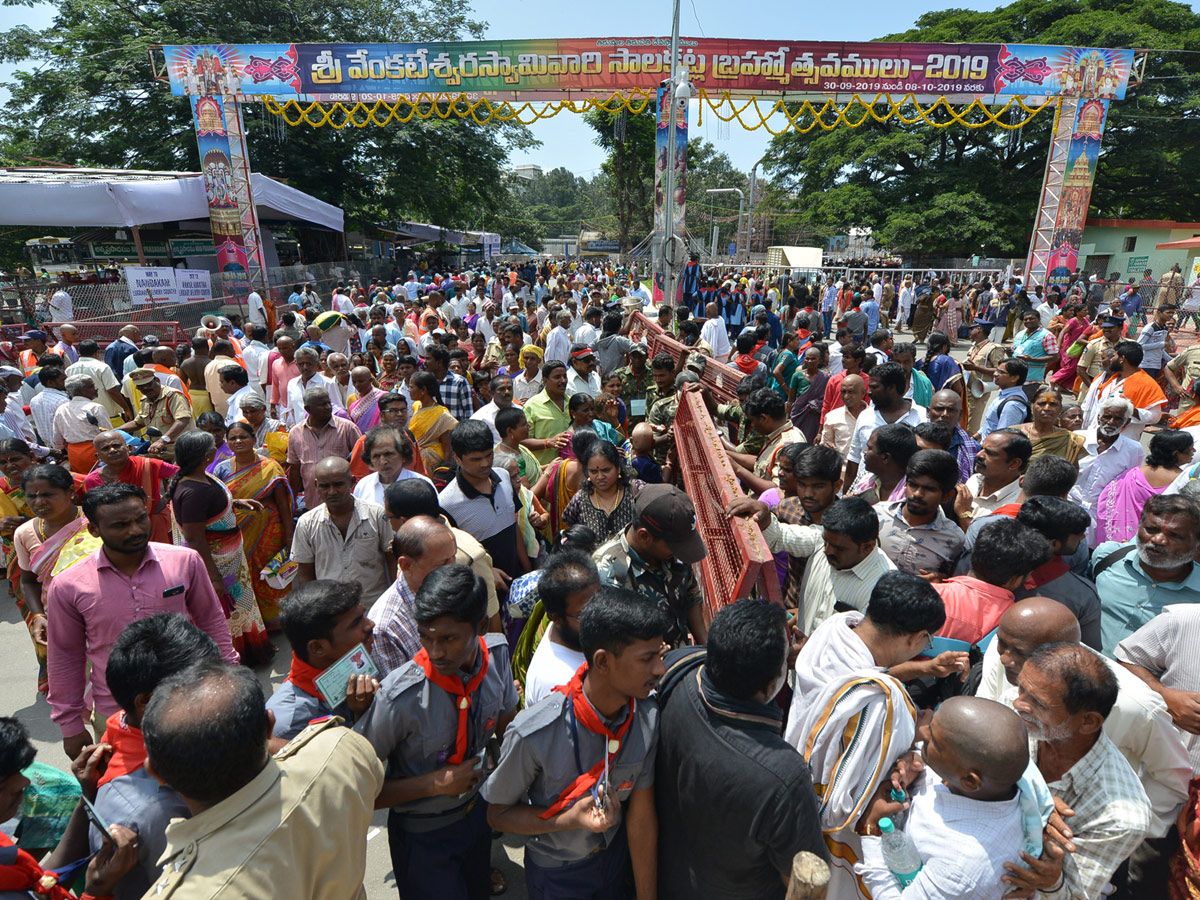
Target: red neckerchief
[(453, 685), (304, 676), (587, 716), (746, 363), (1047, 572), (1008, 509), (129, 748)]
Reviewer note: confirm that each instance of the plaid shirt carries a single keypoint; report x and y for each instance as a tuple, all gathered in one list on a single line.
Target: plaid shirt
[(396, 639), (456, 396), (1112, 815)]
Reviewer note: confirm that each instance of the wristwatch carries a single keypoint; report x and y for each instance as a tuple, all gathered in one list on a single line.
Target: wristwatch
[(166, 439)]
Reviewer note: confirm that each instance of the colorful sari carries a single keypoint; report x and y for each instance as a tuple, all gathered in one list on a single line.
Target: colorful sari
[(237, 595), (558, 495), (364, 410), (1062, 443), (806, 410), (12, 503), (428, 426), (389, 382), (1068, 366), (262, 530), (1120, 506)]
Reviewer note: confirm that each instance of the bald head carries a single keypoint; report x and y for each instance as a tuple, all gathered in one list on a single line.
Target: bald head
[(1029, 624), (982, 743), (331, 466), (423, 544), (945, 408), (163, 356)]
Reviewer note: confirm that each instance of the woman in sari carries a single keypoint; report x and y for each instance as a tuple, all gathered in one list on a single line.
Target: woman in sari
[(939, 366), (476, 352), (431, 423), (205, 520), (512, 362), (214, 424), (50, 543), (1120, 505), (922, 315), (785, 363), (582, 408), (1073, 330), (1048, 437), (363, 404), (389, 377), (265, 531), (472, 315), (561, 480), (374, 356), (117, 466), (949, 316), (807, 392)]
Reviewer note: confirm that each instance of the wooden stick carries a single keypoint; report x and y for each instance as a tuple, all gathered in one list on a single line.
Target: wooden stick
[(810, 877)]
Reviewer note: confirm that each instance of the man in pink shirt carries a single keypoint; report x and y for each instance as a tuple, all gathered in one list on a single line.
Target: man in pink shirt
[(281, 370), (1005, 553), (128, 578)]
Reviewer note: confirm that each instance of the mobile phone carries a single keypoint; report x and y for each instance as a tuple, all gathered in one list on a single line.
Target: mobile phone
[(96, 819)]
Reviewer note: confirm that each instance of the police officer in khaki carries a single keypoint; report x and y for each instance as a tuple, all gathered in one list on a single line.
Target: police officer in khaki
[(1090, 364), (292, 825)]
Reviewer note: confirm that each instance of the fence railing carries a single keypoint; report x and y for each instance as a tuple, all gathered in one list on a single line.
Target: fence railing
[(738, 560), (721, 379)]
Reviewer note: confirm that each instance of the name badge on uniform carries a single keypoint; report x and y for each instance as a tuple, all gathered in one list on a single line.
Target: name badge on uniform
[(637, 407)]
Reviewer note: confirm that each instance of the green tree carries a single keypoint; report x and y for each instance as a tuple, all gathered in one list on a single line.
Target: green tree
[(979, 187), (629, 169), (86, 95)]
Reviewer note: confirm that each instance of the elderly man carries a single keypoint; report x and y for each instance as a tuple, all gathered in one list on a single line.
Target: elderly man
[(162, 408), (107, 384), (320, 435), (1125, 378), (1065, 692), (422, 545), (257, 819), (1137, 579), (345, 538), (946, 409), (308, 364), (715, 333), (77, 421), (558, 341), (1110, 453), (838, 428), (1139, 724)]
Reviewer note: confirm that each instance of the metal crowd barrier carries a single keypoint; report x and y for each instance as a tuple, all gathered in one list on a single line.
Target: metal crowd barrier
[(738, 559), (722, 379)]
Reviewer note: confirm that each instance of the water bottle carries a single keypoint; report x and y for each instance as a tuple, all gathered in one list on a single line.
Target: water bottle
[(899, 853), (899, 795)]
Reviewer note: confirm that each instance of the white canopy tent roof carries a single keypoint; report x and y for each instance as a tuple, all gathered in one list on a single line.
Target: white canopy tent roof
[(81, 198)]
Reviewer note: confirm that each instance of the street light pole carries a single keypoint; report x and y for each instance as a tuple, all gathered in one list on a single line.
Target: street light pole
[(667, 243), (750, 213), (737, 241)]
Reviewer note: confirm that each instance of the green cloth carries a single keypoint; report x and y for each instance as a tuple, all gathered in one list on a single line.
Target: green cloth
[(527, 643), (922, 388), (47, 806)]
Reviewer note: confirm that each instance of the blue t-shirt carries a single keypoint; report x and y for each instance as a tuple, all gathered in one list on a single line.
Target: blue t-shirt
[(647, 469)]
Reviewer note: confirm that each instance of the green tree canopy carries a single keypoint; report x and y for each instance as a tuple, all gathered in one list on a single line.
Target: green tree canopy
[(963, 191), (86, 95)]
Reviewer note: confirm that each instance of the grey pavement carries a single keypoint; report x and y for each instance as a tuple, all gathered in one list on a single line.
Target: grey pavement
[(18, 688)]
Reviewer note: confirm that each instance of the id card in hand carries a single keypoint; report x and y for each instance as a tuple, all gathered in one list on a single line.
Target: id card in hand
[(332, 682)]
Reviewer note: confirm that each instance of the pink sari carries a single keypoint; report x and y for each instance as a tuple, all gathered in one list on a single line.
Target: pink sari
[(62, 550), (1068, 366), (365, 410), (1120, 506)]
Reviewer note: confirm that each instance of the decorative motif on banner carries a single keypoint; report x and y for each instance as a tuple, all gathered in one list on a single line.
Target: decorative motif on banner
[(661, 140), (219, 178), (1083, 156), (590, 66)]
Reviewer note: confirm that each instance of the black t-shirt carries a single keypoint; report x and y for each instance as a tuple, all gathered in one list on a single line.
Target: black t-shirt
[(735, 801)]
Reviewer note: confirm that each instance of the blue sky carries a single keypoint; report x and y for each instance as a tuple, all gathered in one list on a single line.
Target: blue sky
[(566, 141)]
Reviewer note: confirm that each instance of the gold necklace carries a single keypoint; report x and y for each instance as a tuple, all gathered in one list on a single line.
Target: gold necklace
[(607, 509), (40, 526)]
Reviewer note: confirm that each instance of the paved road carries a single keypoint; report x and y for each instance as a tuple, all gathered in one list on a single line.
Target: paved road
[(18, 683)]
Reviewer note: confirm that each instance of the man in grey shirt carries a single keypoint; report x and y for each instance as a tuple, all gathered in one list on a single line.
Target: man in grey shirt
[(577, 771), (431, 722)]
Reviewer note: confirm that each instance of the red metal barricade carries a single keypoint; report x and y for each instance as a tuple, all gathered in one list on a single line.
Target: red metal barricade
[(104, 333), (738, 557), (721, 379)]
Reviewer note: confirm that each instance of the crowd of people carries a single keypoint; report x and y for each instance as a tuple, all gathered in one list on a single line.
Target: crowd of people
[(459, 499)]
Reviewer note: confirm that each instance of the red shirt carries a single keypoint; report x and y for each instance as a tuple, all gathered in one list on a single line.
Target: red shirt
[(973, 607)]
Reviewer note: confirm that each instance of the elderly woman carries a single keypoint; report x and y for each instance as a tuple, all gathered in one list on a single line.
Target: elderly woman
[(1047, 435), (118, 467)]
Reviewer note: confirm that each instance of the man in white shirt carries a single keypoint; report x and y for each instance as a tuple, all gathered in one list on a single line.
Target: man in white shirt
[(589, 332), (999, 464), (1110, 454), (715, 333), (582, 374), (502, 398), (256, 355), (308, 362), (840, 423), (235, 381), (258, 309), (558, 341), (61, 307), (43, 405), (888, 406), (566, 584)]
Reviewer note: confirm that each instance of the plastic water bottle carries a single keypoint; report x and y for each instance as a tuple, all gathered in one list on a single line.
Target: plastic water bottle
[(898, 818), (899, 853)]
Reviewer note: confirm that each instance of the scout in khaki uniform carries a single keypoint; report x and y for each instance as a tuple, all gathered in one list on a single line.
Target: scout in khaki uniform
[(981, 362), (577, 772), (1089, 362), (292, 825), (431, 722), (163, 408)]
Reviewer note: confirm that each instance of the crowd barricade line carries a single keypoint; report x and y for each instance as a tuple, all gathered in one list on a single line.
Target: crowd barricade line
[(738, 562), (722, 379)]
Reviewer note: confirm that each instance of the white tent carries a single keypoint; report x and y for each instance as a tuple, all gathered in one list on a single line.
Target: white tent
[(103, 197)]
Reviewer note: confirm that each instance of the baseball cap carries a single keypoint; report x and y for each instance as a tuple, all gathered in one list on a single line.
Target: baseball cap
[(35, 335), (666, 512)]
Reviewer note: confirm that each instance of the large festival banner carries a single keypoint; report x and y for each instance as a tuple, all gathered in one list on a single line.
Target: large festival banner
[(661, 141), (1083, 156), (223, 212), (590, 66)]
